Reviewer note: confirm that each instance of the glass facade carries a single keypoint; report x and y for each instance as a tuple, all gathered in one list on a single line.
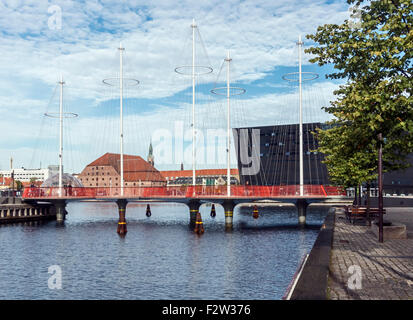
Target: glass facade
[(278, 153)]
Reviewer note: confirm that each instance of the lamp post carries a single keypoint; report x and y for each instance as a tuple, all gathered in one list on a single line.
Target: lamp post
[(380, 182)]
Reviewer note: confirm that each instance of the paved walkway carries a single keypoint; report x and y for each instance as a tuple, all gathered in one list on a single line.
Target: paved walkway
[(386, 269)]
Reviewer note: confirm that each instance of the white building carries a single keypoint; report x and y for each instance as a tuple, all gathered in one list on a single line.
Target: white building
[(23, 174)]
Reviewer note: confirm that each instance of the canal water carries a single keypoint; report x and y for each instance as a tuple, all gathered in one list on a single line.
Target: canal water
[(160, 257)]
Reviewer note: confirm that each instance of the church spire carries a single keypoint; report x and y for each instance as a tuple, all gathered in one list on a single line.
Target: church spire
[(151, 158)]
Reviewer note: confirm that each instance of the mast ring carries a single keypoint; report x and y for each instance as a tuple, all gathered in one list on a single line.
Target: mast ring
[(64, 114), (128, 82), (199, 70), (234, 91), (310, 76)]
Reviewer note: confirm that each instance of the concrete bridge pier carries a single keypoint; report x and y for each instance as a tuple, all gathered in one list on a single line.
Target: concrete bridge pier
[(193, 210), (302, 205), (122, 230), (229, 206), (61, 212)]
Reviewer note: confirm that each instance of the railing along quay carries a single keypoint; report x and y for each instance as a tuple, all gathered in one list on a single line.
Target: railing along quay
[(16, 212)]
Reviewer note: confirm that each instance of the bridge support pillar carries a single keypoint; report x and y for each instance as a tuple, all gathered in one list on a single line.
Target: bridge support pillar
[(229, 206), (193, 210), (122, 213), (61, 212), (302, 211)]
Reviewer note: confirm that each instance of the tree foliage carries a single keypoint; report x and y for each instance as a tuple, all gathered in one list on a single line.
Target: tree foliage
[(17, 185), (376, 60)]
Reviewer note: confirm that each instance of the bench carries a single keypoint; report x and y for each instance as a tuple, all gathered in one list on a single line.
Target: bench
[(354, 213)]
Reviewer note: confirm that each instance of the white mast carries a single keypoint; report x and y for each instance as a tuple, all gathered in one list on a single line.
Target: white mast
[(228, 93), (300, 44), (121, 115), (228, 60), (61, 136), (193, 26)]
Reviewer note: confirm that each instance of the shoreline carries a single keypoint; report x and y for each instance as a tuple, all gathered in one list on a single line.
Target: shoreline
[(312, 281), (348, 263)]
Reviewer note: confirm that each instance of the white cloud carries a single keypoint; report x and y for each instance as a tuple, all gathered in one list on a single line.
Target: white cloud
[(87, 138), (261, 35)]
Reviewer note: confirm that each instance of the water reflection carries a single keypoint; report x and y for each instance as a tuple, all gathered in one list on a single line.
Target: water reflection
[(160, 258)]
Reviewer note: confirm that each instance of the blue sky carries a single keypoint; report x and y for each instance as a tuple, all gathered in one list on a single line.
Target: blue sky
[(260, 35)]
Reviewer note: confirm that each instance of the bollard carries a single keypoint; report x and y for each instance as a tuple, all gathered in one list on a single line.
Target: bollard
[(213, 213), (148, 211), (193, 209), (122, 230), (199, 225), (302, 211), (255, 212), (229, 213)]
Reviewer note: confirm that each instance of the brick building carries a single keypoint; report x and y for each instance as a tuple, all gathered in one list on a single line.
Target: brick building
[(105, 172), (203, 177)]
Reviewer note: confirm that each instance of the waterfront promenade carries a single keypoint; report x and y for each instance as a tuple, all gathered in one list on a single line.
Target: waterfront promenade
[(386, 268)]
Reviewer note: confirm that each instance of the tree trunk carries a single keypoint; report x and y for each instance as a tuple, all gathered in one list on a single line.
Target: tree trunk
[(355, 196)]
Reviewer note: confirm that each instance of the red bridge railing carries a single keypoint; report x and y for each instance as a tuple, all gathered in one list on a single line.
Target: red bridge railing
[(238, 191)]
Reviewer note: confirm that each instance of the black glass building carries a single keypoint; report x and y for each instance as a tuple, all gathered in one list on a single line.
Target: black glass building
[(399, 182), (269, 155)]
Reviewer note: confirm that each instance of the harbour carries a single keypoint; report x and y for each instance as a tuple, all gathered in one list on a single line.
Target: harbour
[(161, 258), (227, 155)]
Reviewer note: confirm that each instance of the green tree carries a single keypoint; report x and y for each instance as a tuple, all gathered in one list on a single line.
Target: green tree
[(33, 180), (376, 60), (17, 184), (347, 164)]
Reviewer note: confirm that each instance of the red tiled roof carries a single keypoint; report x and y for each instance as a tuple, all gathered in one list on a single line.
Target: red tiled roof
[(200, 172), (5, 181), (28, 183), (134, 167)]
